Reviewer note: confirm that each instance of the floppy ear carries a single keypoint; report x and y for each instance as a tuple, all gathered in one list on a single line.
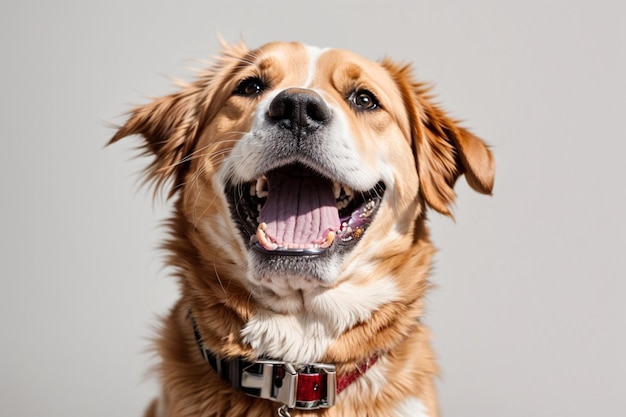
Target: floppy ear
[(446, 151), (168, 125), (443, 149)]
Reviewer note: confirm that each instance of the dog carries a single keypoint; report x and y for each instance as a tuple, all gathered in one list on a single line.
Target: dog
[(301, 179)]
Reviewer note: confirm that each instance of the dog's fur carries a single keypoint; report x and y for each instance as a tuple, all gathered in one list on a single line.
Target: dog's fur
[(219, 132)]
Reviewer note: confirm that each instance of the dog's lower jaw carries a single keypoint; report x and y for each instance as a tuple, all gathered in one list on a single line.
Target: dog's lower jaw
[(278, 282)]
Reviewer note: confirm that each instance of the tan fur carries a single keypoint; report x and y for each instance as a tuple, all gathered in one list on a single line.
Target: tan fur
[(192, 131)]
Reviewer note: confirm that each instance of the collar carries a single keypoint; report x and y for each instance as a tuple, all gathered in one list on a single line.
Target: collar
[(304, 386)]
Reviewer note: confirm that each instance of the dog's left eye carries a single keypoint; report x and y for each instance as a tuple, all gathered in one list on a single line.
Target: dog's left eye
[(250, 87), (364, 100)]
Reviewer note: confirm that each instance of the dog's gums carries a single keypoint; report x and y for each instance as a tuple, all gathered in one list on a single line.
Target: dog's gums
[(295, 211)]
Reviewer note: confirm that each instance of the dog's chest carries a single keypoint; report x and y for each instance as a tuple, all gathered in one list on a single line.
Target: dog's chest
[(306, 336)]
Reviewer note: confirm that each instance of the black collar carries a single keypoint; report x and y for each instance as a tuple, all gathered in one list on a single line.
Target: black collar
[(305, 386)]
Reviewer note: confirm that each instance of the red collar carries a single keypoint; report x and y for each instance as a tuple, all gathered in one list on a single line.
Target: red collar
[(304, 386)]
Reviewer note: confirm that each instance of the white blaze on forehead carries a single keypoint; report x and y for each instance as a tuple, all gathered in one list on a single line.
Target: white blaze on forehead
[(314, 53)]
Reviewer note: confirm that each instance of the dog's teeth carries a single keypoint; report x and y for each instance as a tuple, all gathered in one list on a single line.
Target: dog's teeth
[(336, 190), (330, 238), (261, 187), (263, 240), (343, 203), (348, 191)]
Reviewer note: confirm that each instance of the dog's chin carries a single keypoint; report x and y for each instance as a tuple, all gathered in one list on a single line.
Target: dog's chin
[(286, 275)]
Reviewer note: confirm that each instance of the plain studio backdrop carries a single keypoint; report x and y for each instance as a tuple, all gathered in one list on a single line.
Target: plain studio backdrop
[(529, 316)]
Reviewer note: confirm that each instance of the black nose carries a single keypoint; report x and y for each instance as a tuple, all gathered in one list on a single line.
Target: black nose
[(299, 109)]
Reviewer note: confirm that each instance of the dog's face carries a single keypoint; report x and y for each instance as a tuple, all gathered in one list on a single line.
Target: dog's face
[(323, 145), (302, 168)]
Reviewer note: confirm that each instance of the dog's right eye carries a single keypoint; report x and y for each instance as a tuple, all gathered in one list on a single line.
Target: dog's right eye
[(250, 87)]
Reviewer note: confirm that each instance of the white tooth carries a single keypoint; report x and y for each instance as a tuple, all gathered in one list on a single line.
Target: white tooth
[(348, 191), (261, 187), (330, 238), (336, 190), (260, 234), (343, 203)]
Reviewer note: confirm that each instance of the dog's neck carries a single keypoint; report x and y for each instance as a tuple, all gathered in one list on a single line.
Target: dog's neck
[(307, 386)]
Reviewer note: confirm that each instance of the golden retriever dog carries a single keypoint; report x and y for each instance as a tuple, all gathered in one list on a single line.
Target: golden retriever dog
[(301, 179)]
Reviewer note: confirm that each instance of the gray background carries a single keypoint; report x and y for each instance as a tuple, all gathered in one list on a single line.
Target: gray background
[(529, 313)]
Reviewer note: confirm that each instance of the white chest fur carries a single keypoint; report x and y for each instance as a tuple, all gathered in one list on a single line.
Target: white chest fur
[(306, 335)]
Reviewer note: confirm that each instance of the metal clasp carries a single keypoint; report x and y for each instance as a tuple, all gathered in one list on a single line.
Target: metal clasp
[(278, 381), (272, 380)]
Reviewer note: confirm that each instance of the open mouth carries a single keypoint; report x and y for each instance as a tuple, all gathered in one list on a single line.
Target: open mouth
[(293, 210)]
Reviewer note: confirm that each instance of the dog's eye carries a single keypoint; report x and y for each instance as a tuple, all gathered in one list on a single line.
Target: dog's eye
[(250, 87), (364, 100)]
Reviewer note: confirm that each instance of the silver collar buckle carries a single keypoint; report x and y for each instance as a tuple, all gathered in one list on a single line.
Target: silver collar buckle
[(278, 381)]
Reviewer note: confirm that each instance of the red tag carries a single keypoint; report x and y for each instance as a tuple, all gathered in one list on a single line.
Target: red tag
[(311, 387)]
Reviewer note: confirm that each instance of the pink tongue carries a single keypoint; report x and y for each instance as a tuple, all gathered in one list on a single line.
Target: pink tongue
[(300, 210)]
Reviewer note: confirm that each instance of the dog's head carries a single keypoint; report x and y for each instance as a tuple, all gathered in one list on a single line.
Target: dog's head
[(298, 167)]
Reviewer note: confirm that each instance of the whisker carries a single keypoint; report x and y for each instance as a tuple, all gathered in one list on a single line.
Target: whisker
[(195, 154)]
